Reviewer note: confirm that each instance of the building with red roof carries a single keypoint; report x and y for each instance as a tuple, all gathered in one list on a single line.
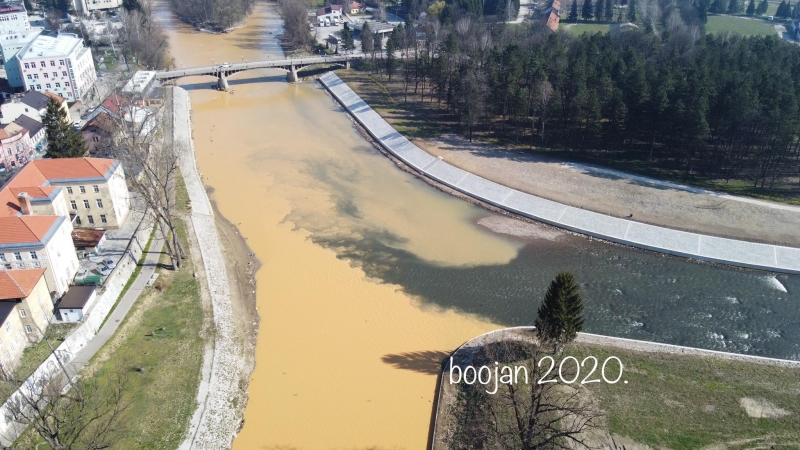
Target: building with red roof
[(24, 294)]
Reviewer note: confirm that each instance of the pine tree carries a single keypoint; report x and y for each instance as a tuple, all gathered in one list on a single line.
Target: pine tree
[(391, 47), (599, 9), (795, 13), (632, 11), (781, 12), (573, 12), (733, 6), (609, 14), (751, 8), (63, 140), (717, 7), (587, 12), (560, 316), (762, 7)]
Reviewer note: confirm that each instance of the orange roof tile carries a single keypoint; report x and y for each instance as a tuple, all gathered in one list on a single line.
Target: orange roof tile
[(34, 191), (24, 229), (54, 169), (9, 207), (18, 283), (59, 99)]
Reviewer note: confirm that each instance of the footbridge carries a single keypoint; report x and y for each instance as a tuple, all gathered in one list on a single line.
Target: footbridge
[(223, 71)]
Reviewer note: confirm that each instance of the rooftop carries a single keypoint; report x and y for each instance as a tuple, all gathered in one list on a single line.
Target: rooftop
[(139, 82), (50, 45), (29, 123), (27, 229), (87, 238), (76, 297), (35, 99), (18, 283)]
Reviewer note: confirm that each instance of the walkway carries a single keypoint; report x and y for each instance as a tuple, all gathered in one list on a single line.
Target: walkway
[(691, 245), (114, 320), (229, 69)]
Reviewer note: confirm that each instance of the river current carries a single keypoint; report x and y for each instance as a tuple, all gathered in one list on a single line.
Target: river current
[(370, 275)]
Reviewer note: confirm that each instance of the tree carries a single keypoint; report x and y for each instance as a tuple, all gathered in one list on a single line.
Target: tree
[(587, 11), (295, 23), (762, 7), (717, 7), (131, 5), (751, 8), (632, 11), (63, 140), (215, 14), (560, 314), (734, 7), (600, 9), (347, 38), (391, 60), (573, 12), (367, 42), (609, 13)]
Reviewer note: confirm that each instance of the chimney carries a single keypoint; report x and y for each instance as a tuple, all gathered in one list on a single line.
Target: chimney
[(25, 204)]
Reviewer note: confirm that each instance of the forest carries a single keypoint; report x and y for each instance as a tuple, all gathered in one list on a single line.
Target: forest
[(722, 107), (218, 15)]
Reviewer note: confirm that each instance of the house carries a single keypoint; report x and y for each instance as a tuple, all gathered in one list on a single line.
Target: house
[(27, 291), (94, 189), (98, 133), (329, 15), (355, 7), (39, 242), (32, 104), (77, 302), (88, 241), (16, 146), (553, 20), (35, 129), (57, 62)]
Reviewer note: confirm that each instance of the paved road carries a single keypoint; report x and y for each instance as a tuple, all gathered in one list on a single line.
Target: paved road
[(123, 307)]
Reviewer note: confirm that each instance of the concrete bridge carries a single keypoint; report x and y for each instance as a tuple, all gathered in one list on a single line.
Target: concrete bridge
[(222, 71)]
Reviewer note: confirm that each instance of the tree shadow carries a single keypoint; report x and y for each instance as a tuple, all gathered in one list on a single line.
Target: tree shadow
[(428, 362)]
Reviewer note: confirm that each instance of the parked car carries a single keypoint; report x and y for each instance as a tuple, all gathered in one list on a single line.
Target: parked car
[(82, 274), (225, 64), (110, 263), (103, 269)]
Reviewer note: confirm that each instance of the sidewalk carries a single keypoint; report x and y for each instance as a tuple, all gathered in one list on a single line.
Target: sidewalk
[(125, 304)]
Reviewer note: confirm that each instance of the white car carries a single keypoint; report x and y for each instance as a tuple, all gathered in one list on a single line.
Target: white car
[(103, 269), (110, 263), (82, 274), (225, 65)]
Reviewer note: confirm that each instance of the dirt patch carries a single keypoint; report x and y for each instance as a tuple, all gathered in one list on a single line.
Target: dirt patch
[(518, 228), (761, 408)]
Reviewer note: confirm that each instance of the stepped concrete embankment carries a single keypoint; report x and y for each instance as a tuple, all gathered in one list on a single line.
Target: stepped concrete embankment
[(774, 258)]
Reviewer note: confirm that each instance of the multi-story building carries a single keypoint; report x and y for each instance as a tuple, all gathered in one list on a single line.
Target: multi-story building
[(39, 242), (25, 307), (16, 146), (10, 45), (59, 63), (94, 190), (87, 6), (13, 17)]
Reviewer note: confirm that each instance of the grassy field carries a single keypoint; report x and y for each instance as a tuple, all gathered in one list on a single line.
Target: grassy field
[(591, 28), (160, 345), (739, 25), (687, 402), (35, 355)]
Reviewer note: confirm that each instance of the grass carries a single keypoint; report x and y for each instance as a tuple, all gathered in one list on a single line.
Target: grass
[(739, 25), (35, 355), (686, 402), (591, 28), (159, 344)]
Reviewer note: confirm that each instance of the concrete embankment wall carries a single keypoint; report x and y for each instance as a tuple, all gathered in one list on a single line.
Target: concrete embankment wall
[(68, 349), (691, 245)]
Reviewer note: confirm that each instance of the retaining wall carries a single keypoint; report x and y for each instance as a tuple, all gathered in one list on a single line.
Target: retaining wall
[(691, 245)]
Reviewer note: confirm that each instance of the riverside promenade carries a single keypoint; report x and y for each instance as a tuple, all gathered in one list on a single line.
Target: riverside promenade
[(773, 258)]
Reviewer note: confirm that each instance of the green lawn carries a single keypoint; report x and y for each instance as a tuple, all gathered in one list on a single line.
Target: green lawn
[(739, 25), (35, 355), (591, 28)]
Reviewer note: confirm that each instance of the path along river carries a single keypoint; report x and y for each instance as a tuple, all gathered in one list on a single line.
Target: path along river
[(369, 274)]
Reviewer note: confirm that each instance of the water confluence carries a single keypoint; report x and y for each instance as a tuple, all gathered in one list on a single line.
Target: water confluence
[(370, 275)]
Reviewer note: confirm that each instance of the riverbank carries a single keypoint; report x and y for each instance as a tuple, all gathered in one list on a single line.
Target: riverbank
[(671, 396), (625, 231), (603, 191)]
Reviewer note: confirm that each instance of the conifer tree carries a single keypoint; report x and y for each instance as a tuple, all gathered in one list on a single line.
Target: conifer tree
[(733, 6), (609, 15), (762, 8), (632, 11), (573, 12), (63, 140), (587, 12), (560, 316), (599, 9), (751, 8)]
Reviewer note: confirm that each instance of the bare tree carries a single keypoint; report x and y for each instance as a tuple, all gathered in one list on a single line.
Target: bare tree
[(143, 38), (295, 23)]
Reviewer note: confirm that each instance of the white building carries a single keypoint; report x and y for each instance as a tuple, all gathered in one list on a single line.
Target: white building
[(329, 15), (13, 17), (10, 45), (87, 6), (59, 63)]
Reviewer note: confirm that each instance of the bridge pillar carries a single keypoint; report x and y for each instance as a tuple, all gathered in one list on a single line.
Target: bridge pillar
[(292, 76), (347, 64), (222, 82)]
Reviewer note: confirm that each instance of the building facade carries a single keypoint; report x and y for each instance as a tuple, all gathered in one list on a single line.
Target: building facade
[(13, 17), (58, 63), (16, 146), (27, 290)]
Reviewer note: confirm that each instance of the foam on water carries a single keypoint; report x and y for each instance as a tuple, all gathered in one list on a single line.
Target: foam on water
[(775, 283)]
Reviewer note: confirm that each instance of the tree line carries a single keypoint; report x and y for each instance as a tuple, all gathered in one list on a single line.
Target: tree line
[(213, 14), (724, 106)]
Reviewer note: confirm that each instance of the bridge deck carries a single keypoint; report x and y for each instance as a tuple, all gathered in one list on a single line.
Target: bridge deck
[(285, 64)]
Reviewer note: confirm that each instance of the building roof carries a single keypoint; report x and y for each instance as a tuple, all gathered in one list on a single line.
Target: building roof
[(35, 100), (9, 7), (102, 121), (50, 45), (18, 283), (29, 123), (11, 130), (5, 310), (76, 297), (355, 5), (87, 238), (59, 99), (140, 82), (34, 191), (113, 103), (552, 21), (27, 229), (329, 9)]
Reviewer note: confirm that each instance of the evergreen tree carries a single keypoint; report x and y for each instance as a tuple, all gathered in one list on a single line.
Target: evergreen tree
[(391, 47), (751, 8), (632, 11), (702, 10), (366, 39), (795, 12), (131, 5), (781, 12), (717, 7), (560, 316), (599, 9), (762, 7), (573, 12), (733, 7), (609, 15), (63, 140), (587, 12), (347, 37)]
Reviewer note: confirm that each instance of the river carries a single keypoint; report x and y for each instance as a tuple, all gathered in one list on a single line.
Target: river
[(370, 276)]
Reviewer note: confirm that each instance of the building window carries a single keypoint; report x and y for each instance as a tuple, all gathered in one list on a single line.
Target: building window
[(83, 189), (73, 205), (77, 220), (3, 257), (63, 73), (91, 219), (42, 64), (27, 66), (99, 203), (46, 75), (18, 256), (34, 255), (66, 83), (28, 329), (103, 218), (8, 327), (60, 62), (52, 63), (23, 313), (96, 188), (36, 76), (86, 204), (69, 189), (38, 87), (36, 264), (55, 74), (30, 77), (47, 85), (58, 85)]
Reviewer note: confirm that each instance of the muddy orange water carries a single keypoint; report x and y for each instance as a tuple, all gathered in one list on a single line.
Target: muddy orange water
[(342, 361)]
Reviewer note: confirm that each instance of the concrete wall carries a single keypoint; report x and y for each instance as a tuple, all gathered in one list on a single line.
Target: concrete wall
[(92, 321), (691, 245)]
